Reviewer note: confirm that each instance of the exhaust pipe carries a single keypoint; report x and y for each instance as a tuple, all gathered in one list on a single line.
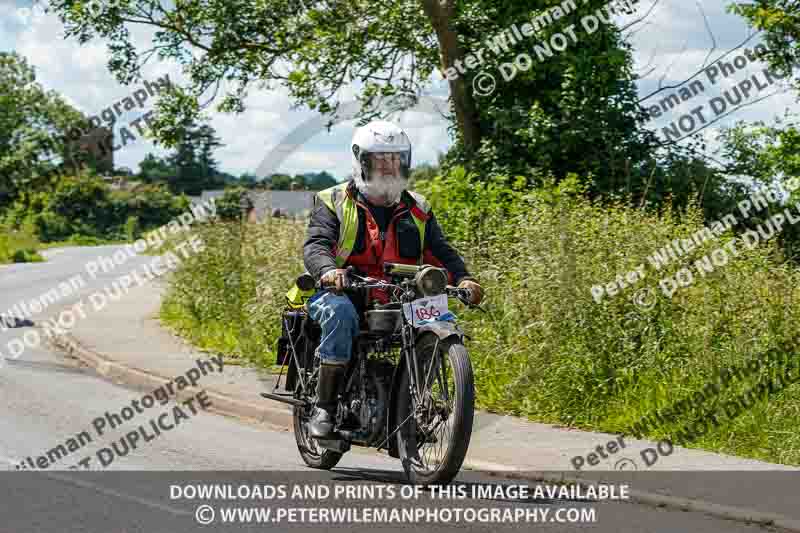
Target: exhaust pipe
[(336, 445)]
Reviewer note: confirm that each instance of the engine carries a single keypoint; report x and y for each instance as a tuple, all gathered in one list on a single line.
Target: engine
[(366, 406)]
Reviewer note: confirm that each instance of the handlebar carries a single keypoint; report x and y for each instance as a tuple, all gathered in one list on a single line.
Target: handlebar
[(465, 295), (354, 282)]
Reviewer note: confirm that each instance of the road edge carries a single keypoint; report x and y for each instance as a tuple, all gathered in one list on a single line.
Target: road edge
[(221, 403), (281, 419), (653, 499)]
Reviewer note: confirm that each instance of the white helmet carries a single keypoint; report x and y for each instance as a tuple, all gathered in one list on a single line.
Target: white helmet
[(380, 136)]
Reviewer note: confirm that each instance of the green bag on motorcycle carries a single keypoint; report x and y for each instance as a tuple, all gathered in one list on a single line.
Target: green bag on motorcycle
[(301, 291)]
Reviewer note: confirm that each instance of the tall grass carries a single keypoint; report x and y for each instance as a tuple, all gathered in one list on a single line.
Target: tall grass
[(18, 247), (546, 350), (230, 297)]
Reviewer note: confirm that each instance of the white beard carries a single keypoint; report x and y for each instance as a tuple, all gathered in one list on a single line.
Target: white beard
[(382, 191)]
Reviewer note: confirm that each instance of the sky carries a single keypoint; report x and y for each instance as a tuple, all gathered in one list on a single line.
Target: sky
[(674, 42)]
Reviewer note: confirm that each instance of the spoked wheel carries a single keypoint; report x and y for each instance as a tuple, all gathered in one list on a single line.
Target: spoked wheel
[(313, 455), (437, 427)]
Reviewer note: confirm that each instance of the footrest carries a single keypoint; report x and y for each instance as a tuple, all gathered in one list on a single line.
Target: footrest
[(282, 398)]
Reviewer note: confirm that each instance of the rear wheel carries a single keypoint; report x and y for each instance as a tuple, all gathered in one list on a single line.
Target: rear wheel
[(437, 427), (313, 455)]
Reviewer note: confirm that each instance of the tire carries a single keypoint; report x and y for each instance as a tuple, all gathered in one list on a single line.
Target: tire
[(461, 387), (312, 454)]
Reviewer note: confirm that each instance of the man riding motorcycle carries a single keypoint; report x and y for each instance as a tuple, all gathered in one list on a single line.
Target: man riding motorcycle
[(365, 222)]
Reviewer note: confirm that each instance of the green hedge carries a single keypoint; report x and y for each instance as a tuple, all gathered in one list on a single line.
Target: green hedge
[(85, 208)]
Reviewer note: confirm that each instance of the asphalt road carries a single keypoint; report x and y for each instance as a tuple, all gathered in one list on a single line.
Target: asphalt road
[(47, 399)]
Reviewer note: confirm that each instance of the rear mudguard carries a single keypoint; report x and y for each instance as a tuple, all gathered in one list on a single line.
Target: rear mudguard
[(443, 330)]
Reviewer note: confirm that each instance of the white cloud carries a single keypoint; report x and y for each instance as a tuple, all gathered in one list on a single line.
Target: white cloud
[(677, 43)]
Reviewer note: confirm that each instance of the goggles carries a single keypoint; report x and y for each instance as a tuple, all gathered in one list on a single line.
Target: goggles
[(385, 160)]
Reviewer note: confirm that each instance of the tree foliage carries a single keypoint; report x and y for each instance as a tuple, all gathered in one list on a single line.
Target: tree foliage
[(193, 161), (84, 206), (574, 111), (767, 156), (385, 50), (313, 181), (389, 49), (33, 126), (780, 22), (153, 169), (191, 167), (234, 204)]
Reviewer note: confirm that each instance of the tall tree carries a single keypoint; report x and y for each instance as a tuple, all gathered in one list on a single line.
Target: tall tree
[(34, 124), (317, 181), (193, 161), (191, 167), (187, 175), (248, 179), (315, 48), (570, 104), (767, 156), (280, 182), (780, 20), (154, 169), (207, 141)]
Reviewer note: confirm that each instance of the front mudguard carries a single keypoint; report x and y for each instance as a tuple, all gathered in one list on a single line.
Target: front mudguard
[(442, 329)]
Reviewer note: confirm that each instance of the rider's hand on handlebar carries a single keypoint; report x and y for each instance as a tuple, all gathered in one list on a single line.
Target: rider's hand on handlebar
[(336, 279), (475, 289)]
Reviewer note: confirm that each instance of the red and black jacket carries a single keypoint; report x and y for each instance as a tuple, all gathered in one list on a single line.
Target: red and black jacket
[(400, 243)]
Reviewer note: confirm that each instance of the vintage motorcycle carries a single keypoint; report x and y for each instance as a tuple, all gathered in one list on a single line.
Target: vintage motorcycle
[(408, 387)]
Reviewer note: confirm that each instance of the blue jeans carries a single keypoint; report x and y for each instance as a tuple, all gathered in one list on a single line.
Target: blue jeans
[(338, 319)]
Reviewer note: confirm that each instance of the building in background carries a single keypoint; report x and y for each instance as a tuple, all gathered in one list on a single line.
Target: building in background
[(293, 204), (290, 203)]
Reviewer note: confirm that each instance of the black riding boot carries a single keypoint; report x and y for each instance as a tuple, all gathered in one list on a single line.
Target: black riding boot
[(321, 424)]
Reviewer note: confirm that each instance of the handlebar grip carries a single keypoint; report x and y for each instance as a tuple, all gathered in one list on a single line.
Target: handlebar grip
[(463, 294), (348, 281)]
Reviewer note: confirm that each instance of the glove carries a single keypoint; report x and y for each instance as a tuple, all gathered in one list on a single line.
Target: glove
[(477, 290), (337, 279)]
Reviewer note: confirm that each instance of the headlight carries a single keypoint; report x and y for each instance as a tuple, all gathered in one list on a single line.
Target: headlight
[(431, 281)]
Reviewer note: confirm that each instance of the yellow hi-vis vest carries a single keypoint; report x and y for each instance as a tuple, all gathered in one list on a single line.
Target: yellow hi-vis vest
[(338, 201)]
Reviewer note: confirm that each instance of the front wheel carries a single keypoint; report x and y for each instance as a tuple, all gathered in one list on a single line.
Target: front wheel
[(437, 426)]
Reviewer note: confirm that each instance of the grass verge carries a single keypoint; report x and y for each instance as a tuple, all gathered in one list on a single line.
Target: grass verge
[(18, 247)]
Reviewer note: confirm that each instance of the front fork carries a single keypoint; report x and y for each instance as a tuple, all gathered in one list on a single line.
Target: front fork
[(412, 365)]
